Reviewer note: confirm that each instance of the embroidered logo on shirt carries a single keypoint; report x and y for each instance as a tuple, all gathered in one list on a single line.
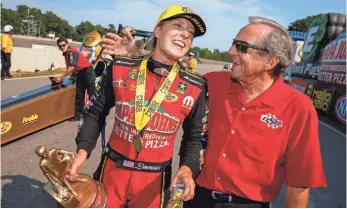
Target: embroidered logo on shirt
[(162, 71), (271, 121), (170, 97), (120, 83), (133, 74), (182, 88), (188, 102)]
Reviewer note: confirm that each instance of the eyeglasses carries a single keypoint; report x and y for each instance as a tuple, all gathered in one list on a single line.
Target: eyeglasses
[(61, 46), (242, 46)]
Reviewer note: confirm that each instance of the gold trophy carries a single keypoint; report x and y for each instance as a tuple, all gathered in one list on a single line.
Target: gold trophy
[(85, 192)]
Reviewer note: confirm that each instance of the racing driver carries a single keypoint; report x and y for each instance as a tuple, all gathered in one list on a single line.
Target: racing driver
[(153, 96)]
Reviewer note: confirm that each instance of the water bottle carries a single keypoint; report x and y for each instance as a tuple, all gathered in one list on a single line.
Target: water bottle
[(175, 198)]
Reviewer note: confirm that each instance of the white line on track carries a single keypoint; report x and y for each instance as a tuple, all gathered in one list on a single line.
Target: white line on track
[(44, 76), (332, 128)]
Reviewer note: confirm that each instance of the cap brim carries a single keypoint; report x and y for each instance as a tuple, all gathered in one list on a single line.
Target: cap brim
[(199, 25)]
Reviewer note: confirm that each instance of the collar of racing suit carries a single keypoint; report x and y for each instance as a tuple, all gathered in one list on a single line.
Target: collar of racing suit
[(153, 64)]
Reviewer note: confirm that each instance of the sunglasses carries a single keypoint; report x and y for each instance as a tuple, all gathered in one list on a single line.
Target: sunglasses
[(61, 46), (242, 46)]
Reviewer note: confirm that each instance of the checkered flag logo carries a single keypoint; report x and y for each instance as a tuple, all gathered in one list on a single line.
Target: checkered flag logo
[(271, 121)]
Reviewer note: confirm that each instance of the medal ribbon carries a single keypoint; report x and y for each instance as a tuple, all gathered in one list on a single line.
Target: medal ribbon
[(142, 115)]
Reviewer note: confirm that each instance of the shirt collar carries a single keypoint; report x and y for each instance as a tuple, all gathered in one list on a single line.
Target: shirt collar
[(275, 93), (235, 87), (158, 68)]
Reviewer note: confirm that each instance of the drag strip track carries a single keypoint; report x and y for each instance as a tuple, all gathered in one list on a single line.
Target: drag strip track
[(12, 87), (22, 179)]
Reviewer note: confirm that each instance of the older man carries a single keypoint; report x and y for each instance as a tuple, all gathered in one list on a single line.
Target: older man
[(262, 132)]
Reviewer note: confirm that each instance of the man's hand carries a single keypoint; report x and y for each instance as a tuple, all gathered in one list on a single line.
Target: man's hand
[(59, 79), (117, 45), (184, 175), (296, 197), (77, 164)]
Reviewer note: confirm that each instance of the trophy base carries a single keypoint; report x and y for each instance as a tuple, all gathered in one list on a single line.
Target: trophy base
[(90, 194), (71, 203), (101, 197)]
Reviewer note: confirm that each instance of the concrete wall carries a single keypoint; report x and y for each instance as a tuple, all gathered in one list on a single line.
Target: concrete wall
[(28, 59), (31, 53)]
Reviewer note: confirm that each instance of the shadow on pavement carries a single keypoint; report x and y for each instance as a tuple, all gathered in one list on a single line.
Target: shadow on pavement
[(20, 191)]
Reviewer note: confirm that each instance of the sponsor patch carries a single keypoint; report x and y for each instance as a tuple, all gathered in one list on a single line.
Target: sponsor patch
[(126, 63), (142, 166), (132, 74), (98, 81), (129, 164), (97, 86), (182, 88), (161, 122), (340, 109), (5, 127), (133, 87), (192, 80), (158, 132), (204, 119), (271, 121), (120, 83), (170, 97), (187, 10), (161, 71), (31, 119), (188, 102)]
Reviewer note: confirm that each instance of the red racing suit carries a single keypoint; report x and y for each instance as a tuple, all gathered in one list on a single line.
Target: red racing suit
[(142, 179), (84, 74)]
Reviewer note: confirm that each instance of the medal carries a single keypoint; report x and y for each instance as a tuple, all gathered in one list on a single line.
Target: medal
[(144, 114), (138, 143)]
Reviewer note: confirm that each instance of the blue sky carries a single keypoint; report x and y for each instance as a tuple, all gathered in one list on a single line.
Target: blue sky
[(223, 18)]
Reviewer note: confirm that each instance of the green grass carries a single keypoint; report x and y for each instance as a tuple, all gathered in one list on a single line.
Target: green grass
[(41, 73)]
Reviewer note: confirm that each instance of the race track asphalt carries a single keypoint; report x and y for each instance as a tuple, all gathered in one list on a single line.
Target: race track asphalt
[(22, 179)]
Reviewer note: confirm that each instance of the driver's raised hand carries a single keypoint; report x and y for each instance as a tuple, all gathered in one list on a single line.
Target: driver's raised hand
[(116, 45)]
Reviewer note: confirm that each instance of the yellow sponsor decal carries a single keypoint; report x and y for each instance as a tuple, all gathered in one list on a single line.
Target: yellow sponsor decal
[(32, 118), (321, 99), (170, 97), (5, 127)]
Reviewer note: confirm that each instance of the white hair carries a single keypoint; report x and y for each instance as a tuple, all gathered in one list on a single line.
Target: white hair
[(277, 42)]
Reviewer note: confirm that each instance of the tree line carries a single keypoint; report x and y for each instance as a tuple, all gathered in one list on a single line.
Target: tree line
[(51, 22)]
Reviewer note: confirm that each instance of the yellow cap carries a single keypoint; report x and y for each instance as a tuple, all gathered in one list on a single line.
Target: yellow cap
[(176, 11)]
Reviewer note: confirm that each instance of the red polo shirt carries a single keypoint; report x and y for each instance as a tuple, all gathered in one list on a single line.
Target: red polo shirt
[(254, 147), (75, 58)]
